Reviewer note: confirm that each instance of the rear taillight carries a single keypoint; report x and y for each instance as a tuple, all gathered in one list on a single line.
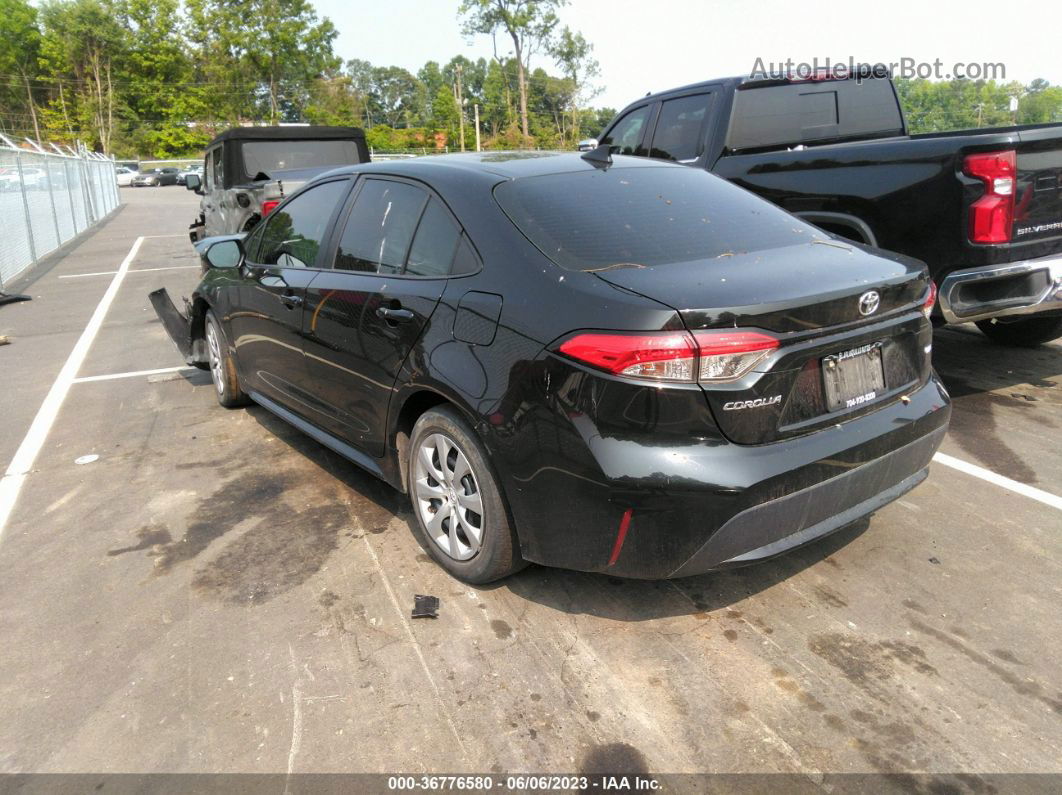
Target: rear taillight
[(931, 300), (992, 216), (667, 356), (671, 356), (268, 206)]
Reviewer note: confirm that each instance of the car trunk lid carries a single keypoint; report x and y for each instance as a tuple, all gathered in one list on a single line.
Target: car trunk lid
[(851, 336)]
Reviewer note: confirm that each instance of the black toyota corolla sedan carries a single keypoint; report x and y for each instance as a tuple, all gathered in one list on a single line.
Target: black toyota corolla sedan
[(607, 364)]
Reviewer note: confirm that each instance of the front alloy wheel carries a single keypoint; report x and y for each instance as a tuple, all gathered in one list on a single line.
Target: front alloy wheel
[(222, 366)]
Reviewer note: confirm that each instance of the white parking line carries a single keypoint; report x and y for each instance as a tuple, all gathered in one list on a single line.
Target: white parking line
[(1010, 485), (26, 455), (138, 270), (86, 379)]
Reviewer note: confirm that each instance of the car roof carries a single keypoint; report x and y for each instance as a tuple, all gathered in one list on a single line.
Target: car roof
[(287, 133), (493, 167)]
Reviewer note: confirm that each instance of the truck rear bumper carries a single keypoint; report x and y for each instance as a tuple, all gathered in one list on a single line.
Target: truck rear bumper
[(1016, 288)]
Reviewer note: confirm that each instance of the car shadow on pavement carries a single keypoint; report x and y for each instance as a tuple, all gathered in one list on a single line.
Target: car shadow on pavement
[(969, 362), (572, 591), (991, 385), (365, 490)]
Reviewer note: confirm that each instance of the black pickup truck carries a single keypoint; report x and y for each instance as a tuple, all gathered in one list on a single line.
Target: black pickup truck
[(983, 208)]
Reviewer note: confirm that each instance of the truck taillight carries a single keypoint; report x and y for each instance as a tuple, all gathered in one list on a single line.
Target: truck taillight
[(672, 356), (268, 206), (992, 216), (931, 300)]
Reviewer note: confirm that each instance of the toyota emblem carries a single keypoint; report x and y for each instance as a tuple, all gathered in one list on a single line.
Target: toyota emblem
[(869, 302)]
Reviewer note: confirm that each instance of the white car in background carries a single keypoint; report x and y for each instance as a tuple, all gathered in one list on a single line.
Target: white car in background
[(125, 176), (196, 169)]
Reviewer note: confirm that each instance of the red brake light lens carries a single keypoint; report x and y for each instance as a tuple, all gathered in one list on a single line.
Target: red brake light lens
[(668, 356), (992, 216), (672, 356), (931, 301), (268, 206)]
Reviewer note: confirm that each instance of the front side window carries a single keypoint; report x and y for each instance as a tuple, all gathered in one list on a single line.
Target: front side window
[(378, 232), (626, 135), (293, 233), (678, 134)]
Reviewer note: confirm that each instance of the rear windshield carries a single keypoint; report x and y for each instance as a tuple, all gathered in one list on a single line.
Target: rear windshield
[(592, 220), (799, 113), (268, 156)]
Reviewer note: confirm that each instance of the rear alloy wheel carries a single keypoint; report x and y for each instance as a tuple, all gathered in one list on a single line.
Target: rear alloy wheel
[(459, 510), (222, 366), (1026, 333)]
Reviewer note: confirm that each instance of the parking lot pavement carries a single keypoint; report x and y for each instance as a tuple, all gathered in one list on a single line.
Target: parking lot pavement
[(219, 593)]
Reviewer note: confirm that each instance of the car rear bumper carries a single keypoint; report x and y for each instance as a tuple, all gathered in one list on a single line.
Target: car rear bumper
[(779, 525), (685, 509), (1016, 288)]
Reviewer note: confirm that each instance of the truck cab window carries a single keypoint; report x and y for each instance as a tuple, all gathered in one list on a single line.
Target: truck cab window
[(679, 132), (626, 135)]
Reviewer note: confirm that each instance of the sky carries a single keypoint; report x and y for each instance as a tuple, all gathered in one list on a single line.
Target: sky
[(661, 44)]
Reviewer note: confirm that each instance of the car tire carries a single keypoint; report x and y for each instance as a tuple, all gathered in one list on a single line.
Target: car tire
[(222, 365), (461, 493), (1025, 333)]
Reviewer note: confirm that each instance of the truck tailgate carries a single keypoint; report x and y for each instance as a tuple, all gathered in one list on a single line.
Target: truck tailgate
[(1038, 191)]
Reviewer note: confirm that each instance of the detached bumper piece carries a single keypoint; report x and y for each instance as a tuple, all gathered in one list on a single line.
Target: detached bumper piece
[(1017, 288), (780, 525), (177, 325)]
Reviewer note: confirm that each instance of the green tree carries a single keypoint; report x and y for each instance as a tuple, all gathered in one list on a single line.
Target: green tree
[(445, 116), (529, 24), (261, 52), (155, 76), (20, 44), (1041, 104), (82, 42), (397, 97), (574, 54)]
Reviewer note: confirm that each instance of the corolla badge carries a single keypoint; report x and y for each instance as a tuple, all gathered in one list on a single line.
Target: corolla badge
[(869, 302), (756, 403)]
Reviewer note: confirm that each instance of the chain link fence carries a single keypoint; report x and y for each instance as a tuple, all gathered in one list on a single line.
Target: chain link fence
[(47, 199)]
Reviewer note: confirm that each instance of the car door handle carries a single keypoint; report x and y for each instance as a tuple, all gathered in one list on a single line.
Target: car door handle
[(291, 301), (394, 315)]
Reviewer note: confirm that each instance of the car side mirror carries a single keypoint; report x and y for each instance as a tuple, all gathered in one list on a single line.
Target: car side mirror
[(192, 182), (225, 254), (588, 145)]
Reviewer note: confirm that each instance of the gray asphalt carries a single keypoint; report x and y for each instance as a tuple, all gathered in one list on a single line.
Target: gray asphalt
[(219, 593)]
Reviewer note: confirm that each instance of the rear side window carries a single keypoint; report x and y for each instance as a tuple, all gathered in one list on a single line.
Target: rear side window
[(679, 133), (292, 234), (631, 217), (219, 171), (378, 232), (627, 133), (208, 171), (433, 245), (807, 112), (265, 157)]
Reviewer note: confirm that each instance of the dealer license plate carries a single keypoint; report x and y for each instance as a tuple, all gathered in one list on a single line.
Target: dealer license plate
[(853, 377)]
